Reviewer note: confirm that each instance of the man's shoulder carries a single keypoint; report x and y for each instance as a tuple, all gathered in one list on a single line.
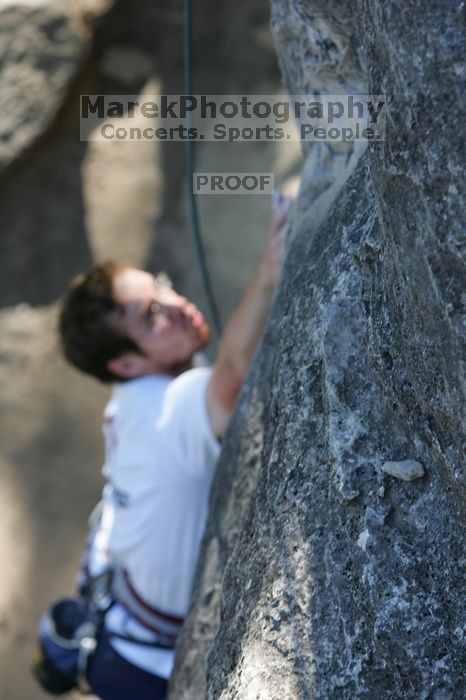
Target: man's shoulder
[(155, 395), (186, 389), (138, 397), (191, 378), (154, 384)]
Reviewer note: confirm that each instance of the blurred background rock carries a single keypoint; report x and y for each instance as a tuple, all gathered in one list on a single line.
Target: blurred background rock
[(65, 203)]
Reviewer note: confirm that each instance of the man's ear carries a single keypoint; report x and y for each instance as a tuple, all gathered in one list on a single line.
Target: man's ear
[(129, 365)]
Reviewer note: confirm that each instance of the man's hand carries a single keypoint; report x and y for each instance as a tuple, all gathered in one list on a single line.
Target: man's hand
[(245, 327), (271, 263)]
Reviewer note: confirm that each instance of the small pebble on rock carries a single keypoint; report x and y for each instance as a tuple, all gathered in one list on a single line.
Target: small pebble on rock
[(407, 469), (362, 539)]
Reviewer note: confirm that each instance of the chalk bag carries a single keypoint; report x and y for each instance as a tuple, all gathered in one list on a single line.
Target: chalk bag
[(67, 638)]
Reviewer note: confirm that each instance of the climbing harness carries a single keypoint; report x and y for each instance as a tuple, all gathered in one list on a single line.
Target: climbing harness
[(71, 627), (165, 626)]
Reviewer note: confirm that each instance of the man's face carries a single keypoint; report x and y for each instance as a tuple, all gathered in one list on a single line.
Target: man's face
[(165, 326)]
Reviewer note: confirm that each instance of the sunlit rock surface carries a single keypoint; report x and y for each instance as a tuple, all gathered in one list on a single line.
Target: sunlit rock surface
[(43, 44), (322, 576)]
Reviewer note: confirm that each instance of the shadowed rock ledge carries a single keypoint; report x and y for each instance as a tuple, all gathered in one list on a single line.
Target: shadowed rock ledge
[(322, 575)]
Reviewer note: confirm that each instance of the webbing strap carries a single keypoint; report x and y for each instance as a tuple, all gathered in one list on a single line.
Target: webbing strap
[(166, 626)]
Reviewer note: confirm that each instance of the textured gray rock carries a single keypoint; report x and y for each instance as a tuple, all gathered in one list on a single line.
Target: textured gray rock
[(322, 577), (40, 53), (45, 47)]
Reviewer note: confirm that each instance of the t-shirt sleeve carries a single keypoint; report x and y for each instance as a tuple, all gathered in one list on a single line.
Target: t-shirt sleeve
[(185, 419)]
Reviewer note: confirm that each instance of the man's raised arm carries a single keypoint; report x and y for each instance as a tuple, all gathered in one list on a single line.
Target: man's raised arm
[(244, 329)]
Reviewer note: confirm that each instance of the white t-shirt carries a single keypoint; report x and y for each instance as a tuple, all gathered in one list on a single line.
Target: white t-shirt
[(160, 459)]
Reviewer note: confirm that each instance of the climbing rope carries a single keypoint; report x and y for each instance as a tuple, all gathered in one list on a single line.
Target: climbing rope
[(195, 226)]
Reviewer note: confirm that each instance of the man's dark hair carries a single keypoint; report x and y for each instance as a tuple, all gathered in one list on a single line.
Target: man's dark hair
[(87, 339)]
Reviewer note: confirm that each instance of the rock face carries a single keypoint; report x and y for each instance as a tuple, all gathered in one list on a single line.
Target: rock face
[(44, 48), (322, 576), (41, 50)]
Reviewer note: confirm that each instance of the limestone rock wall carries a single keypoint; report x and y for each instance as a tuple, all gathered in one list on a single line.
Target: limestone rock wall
[(322, 574)]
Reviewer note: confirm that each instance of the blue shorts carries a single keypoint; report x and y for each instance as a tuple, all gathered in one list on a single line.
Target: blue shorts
[(111, 677)]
